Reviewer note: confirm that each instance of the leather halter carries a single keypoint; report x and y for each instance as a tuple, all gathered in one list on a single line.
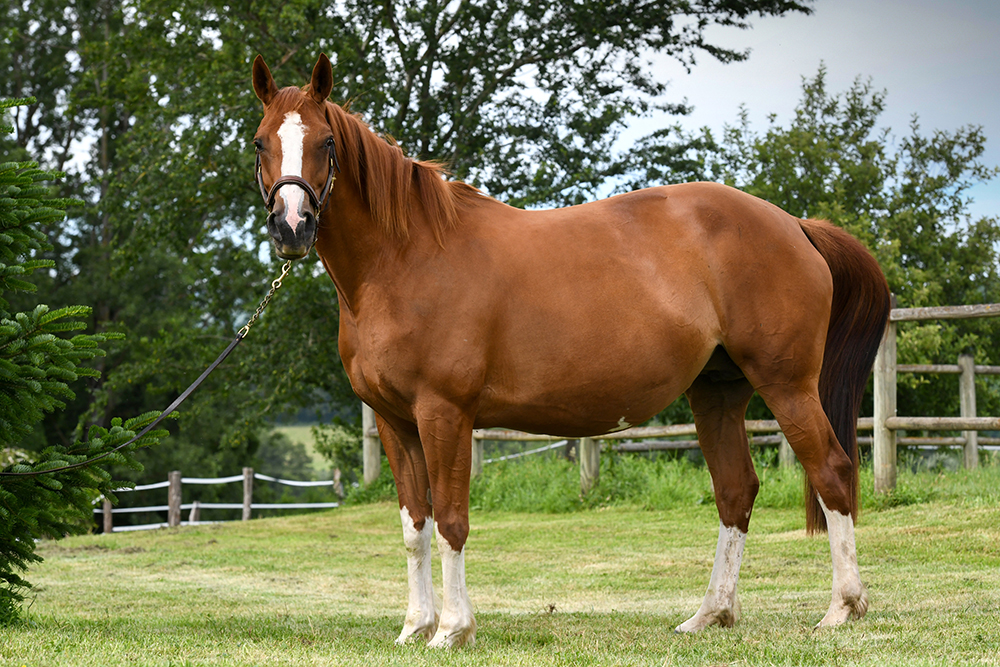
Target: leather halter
[(317, 201)]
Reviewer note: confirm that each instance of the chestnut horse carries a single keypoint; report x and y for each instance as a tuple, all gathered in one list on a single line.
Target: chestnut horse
[(460, 312)]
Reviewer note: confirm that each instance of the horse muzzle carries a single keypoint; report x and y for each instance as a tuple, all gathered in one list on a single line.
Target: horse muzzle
[(292, 241)]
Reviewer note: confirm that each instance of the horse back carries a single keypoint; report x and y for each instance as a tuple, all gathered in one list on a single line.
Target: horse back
[(607, 312)]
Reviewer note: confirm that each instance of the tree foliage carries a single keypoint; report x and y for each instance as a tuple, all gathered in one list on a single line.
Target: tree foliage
[(38, 363), (525, 99)]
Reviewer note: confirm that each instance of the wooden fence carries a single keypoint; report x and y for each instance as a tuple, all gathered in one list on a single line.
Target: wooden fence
[(885, 424), (175, 506)]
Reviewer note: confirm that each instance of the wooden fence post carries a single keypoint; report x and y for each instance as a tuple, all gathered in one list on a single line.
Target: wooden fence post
[(590, 463), (247, 493), (572, 447), (477, 456), (195, 515), (786, 457), (372, 446), (884, 440), (338, 486), (967, 402), (174, 498), (109, 525)]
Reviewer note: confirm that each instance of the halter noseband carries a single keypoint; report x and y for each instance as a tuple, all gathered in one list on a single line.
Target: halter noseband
[(317, 201)]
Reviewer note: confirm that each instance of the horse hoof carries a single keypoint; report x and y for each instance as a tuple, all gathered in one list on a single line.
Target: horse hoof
[(725, 617), (454, 639), (408, 635), (411, 631), (848, 609)]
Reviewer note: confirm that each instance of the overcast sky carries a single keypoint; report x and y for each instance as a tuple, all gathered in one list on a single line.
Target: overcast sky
[(939, 59)]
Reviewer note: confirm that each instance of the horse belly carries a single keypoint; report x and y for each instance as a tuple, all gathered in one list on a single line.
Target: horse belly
[(573, 420), (615, 372)]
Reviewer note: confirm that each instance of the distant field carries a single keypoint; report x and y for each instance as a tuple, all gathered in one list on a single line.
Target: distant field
[(303, 434), (601, 587)]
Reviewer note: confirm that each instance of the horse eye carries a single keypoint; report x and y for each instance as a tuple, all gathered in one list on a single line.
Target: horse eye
[(329, 142), (258, 145)]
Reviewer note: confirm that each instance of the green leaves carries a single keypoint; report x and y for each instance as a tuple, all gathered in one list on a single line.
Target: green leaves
[(23, 206), (56, 504), (37, 366), (526, 99)]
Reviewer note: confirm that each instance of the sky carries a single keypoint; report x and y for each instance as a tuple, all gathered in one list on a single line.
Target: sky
[(939, 59)]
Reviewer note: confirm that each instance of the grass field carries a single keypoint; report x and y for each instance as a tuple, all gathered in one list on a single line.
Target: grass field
[(598, 587)]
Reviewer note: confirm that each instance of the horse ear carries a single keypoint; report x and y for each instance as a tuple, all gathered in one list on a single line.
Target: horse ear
[(263, 82), (322, 79)]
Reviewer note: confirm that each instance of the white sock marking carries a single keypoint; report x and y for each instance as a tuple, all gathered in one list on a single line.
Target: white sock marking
[(421, 614), (849, 596), (458, 625), (721, 604), (292, 134)]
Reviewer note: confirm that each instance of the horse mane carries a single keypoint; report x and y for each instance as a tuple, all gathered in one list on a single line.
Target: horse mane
[(388, 179)]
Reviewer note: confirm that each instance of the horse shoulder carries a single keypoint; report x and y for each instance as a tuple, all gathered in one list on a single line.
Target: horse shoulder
[(352, 355)]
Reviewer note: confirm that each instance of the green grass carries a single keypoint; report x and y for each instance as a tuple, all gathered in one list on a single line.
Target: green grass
[(603, 586), (552, 484)]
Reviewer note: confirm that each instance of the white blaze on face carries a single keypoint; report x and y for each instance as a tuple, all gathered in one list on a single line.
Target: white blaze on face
[(292, 134)]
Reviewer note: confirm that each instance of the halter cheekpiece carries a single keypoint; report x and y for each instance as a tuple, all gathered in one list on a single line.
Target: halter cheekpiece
[(317, 201)]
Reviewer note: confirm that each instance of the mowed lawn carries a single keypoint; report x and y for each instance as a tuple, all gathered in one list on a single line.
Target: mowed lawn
[(602, 587)]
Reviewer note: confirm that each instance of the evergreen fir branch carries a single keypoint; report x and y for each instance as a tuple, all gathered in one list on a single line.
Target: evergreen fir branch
[(37, 365)]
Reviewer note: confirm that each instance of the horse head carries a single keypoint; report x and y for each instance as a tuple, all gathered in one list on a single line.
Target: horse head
[(296, 156)]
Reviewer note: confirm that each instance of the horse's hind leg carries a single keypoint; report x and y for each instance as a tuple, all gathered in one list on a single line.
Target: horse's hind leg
[(849, 599), (719, 406), (805, 424), (406, 458)]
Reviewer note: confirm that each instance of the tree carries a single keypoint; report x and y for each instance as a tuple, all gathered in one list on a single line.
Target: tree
[(37, 365), (522, 98), (906, 199), (175, 294), (526, 98)]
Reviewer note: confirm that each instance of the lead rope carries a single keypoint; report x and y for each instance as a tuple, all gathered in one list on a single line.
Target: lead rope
[(275, 286)]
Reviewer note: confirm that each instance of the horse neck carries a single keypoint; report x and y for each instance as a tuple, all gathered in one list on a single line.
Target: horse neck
[(355, 249)]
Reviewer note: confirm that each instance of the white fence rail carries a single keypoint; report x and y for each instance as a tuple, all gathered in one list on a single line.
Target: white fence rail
[(174, 507)]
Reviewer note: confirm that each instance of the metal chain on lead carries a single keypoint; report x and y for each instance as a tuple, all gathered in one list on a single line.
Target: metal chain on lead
[(275, 285)]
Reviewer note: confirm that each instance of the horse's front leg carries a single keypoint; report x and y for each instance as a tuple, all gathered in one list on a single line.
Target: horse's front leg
[(446, 437), (406, 458)]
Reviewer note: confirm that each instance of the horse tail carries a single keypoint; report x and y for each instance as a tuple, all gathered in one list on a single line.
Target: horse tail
[(858, 316)]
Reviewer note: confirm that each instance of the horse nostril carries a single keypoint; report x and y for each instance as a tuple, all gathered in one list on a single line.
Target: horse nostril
[(272, 228)]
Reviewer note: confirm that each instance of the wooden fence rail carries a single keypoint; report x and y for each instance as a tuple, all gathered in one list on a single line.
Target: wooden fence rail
[(887, 422), (884, 425)]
